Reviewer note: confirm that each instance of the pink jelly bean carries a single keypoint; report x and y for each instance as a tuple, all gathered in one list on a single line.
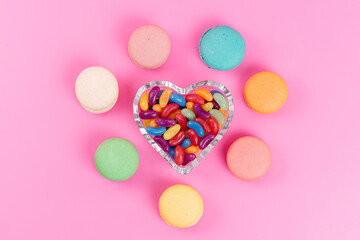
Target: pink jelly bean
[(200, 112), (204, 142)]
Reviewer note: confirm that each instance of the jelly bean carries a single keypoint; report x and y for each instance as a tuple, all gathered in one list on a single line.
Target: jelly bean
[(214, 125), (165, 122), (172, 107), (157, 108), (181, 119), (221, 100), (203, 124), (192, 135), (144, 102), (204, 142), (201, 112), (172, 152), (162, 143), (171, 132), (156, 131), (188, 158), (188, 114), (150, 114), (178, 138), (177, 98), (172, 115), (153, 95), (153, 123), (215, 91), (197, 127), (223, 112), (146, 122), (207, 106), (190, 105), (218, 116), (192, 149), (164, 98), (205, 94), (179, 155), (215, 104), (186, 143), (195, 99)]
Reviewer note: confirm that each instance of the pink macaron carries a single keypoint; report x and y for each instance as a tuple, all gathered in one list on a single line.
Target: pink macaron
[(248, 158)]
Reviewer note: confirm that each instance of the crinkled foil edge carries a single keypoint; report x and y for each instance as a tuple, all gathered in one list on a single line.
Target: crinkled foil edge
[(183, 91)]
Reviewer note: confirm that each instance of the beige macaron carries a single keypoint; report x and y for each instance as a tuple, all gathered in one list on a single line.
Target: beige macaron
[(97, 89)]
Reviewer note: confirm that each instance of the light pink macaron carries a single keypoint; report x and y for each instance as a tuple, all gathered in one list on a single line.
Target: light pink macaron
[(248, 158), (149, 46)]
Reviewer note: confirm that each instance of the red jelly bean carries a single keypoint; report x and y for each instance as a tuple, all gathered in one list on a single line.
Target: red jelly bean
[(195, 99), (181, 119), (194, 138), (203, 124), (172, 107), (179, 155), (178, 138), (214, 126)]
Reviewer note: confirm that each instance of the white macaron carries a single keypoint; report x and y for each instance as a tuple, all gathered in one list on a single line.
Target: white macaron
[(97, 89)]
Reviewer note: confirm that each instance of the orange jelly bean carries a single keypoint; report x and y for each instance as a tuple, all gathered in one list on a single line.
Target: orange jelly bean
[(172, 115), (157, 108), (222, 111), (190, 105), (153, 123), (192, 149), (165, 97), (205, 94), (144, 101)]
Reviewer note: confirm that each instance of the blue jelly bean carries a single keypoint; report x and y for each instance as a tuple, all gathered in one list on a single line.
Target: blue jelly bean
[(177, 98), (215, 91), (172, 152), (185, 143), (197, 127), (156, 131)]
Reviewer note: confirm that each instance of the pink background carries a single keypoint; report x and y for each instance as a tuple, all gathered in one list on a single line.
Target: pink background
[(49, 186)]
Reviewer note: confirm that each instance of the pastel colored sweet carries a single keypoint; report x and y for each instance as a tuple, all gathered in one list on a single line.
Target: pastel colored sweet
[(218, 116), (265, 92), (116, 159), (149, 46), (181, 206), (222, 48), (188, 113), (97, 89), (248, 158), (221, 100)]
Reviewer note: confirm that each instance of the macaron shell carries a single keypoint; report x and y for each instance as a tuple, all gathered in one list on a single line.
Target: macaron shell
[(265, 92), (149, 46), (97, 89), (248, 158), (181, 206)]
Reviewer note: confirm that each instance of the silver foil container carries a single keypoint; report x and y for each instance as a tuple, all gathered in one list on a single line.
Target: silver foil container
[(209, 85)]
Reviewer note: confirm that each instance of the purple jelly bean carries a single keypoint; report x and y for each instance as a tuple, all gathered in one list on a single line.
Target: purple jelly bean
[(188, 158), (153, 95), (165, 122), (200, 112), (163, 143), (204, 142), (148, 114), (215, 104)]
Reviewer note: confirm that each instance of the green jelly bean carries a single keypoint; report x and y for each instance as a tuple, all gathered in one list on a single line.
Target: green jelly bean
[(221, 100), (188, 114), (218, 116)]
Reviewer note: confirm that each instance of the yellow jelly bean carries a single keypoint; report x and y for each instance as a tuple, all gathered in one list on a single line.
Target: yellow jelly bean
[(190, 105), (192, 149), (165, 97), (157, 108), (171, 132), (172, 115), (208, 106), (222, 111), (144, 101), (205, 94)]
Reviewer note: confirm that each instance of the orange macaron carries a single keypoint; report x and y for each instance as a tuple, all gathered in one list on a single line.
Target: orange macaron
[(265, 92)]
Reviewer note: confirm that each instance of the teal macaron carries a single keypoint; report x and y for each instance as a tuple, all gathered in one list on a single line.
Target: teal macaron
[(222, 48)]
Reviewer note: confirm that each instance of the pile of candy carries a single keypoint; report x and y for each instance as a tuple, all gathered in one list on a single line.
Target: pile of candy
[(183, 125)]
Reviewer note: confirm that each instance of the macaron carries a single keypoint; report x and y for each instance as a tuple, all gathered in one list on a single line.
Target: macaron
[(265, 92), (222, 48), (181, 206), (248, 158), (149, 46), (97, 89), (116, 159)]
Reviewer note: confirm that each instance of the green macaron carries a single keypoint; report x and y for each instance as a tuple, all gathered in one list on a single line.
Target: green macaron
[(116, 159)]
